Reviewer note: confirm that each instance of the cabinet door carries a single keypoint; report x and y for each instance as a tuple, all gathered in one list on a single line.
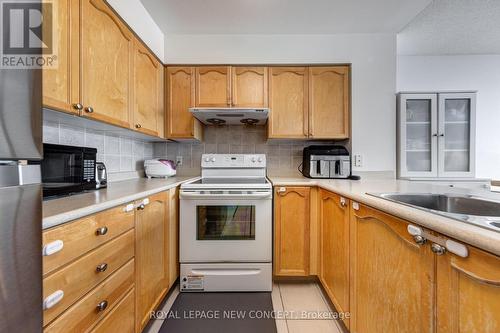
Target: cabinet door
[(147, 88), (173, 210), (180, 97), (249, 86), (329, 97), (213, 86), (288, 101), (457, 128), (61, 85), (291, 231), (151, 255), (392, 277), (334, 271), (468, 293), (107, 57), (417, 135)]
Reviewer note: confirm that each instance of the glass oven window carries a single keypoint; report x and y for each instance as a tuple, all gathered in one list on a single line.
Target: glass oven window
[(225, 222)]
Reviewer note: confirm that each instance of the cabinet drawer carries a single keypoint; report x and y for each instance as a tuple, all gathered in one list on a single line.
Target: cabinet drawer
[(121, 318), (82, 235), (85, 313), (76, 279)]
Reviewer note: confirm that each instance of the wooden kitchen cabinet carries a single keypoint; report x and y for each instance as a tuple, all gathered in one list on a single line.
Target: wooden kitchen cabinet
[(329, 102), (106, 64), (288, 101), (61, 85), (468, 292), (249, 87), (213, 86), (148, 87), (180, 95), (392, 277), (334, 249), (152, 247), (291, 231)]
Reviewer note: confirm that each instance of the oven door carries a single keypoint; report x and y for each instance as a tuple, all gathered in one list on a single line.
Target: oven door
[(225, 226)]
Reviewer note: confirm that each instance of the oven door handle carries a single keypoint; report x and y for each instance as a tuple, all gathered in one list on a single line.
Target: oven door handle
[(197, 195)]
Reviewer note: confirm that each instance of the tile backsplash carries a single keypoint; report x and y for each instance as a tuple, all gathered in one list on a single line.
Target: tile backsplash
[(121, 155), (283, 156)]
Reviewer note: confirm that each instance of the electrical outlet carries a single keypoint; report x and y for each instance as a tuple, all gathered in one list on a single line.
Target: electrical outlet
[(358, 160), (178, 160)]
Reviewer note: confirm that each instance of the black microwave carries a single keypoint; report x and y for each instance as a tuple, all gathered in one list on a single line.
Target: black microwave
[(67, 170)]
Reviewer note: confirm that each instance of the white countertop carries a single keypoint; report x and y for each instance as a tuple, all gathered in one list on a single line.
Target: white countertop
[(62, 210), (357, 190)]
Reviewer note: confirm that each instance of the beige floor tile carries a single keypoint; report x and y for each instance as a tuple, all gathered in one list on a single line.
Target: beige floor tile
[(299, 297), (281, 326), (313, 326), (276, 298)]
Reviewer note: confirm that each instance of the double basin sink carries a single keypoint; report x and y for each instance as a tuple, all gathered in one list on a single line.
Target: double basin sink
[(478, 211)]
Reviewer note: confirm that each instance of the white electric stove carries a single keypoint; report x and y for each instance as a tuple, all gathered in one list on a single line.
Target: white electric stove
[(226, 226)]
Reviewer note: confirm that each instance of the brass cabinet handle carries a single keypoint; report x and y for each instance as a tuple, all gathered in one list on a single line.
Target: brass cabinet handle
[(101, 306), (141, 207), (343, 202), (101, 268), (138, 126), (77, 106), (419, 240), (89, 109), (101, 231)]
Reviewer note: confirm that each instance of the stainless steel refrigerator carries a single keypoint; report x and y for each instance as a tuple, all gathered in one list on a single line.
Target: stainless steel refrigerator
[(20, 201)]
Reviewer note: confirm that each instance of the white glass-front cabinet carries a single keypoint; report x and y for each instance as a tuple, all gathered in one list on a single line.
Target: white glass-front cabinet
[(436, 135)]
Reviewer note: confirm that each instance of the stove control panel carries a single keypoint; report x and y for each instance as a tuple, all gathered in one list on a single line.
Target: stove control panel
[(233, 161)]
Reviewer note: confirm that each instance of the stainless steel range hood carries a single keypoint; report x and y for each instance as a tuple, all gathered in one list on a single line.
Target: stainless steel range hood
[(231, 116)]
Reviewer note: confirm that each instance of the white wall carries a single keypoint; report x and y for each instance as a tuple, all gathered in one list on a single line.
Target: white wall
[(373, 58), (137, 17), (464, 72)]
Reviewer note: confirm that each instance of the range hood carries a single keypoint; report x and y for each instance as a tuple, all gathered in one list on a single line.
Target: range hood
[(231, 116)]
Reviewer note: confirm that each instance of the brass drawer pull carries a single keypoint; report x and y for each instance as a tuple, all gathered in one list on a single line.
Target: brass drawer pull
[(101, 231), (102, 306), (77, 106), (101, 268), (89, 109), (138, 125)]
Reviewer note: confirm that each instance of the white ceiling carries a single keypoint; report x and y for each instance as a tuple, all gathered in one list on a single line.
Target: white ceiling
[(453, 27), (283, 16)]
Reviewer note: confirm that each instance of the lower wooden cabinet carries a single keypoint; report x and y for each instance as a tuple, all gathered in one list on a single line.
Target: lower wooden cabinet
[(392, 277), (152, 249), (121, 319), (291, 231), (334, 249), (468, 292)]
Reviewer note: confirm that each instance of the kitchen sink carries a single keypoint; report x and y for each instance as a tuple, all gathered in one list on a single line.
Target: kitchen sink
[(482, 212)]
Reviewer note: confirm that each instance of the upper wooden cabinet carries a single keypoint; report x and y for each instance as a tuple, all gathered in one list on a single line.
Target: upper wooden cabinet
[(152, 247), (291, 231), (213, 86), (391, 275), (329, 96), (180, 86), (249, 87), (148, 88), (288, 101), (107, 59), (334, 249), (468, 292), (61, 86)]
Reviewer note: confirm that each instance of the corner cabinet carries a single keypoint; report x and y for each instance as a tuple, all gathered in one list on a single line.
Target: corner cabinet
[(291, 231), (180, 85), (392, 277), (436, 135), (334, 249)]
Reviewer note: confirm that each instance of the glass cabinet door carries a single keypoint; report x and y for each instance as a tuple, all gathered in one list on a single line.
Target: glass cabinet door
[(456, 133), (418, 135)]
